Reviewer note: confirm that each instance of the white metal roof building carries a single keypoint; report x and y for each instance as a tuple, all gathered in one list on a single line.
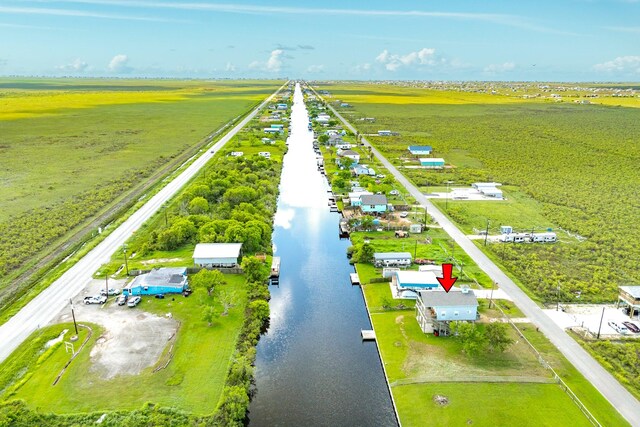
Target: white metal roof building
[(217, 254)]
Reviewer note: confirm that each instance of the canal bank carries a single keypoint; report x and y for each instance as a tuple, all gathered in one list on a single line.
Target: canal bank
[(312, 366)]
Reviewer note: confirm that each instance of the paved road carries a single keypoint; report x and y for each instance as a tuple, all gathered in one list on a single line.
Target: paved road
[(612, 390), (42, 309)]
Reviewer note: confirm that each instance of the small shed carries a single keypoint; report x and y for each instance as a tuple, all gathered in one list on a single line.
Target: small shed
[(158, 281), (432, 163), (392, 259), (415, 228), (217, 254)]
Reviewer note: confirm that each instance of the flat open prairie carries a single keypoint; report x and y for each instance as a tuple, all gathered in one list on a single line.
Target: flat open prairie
[(72, 148), (564, 165)]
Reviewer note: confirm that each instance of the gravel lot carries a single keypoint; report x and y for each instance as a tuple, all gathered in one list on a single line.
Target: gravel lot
[(588, 316), (133, 339)]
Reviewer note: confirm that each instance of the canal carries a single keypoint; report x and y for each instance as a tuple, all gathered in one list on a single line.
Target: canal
[(312, 367)]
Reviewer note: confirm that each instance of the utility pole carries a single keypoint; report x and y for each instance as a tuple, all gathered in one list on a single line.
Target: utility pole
[(124, 250), (486, 233), (493, 285), (558, 297), (75, 325), (106, 283), (415, 250), (600, 327)]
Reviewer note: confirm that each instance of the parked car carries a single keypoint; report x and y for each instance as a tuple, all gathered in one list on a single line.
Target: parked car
[(134, 301), (96, 299), (121, 300), (621, 329), (632, 327), (112, 291), (381, 176), (404, 214), (160, 296), (394, 192)]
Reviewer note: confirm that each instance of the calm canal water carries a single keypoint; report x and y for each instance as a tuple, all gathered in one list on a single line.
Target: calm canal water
[(312, 368)]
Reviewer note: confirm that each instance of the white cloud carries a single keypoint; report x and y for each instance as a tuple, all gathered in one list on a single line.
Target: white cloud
[(622, 64), (76, 66), (499, 68), (362, 68), (315, 68), (230, 67), (273, 64), (119, 63), (422, 57)]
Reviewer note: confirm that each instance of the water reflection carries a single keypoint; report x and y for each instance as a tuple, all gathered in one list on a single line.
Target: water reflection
[(312, 367)]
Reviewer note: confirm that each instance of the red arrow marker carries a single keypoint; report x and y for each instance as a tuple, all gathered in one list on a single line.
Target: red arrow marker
[(446, 281)]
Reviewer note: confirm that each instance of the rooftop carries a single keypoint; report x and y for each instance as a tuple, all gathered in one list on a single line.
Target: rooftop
[(392, 255), (373, 199), (634, 291), (417, 278), (454, 297), (217, 250), (420, 148)]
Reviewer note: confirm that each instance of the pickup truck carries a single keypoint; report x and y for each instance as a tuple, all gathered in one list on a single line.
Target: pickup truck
[(96, 299)]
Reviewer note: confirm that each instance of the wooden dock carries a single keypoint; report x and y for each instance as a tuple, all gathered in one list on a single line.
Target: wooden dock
[(368, 335), (355, 279)]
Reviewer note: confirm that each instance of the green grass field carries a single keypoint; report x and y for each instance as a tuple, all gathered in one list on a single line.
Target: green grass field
[(73, 148), (486, 388), (193, 381), (563, 165)]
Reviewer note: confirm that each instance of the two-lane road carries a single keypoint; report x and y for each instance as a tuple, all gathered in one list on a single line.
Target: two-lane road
[(42, 309), (610, 388)]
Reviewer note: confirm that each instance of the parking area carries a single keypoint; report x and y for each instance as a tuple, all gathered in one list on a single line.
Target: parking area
[(132, 340), (588, 316)]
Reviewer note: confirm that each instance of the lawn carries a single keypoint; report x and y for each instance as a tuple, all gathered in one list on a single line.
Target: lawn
[(486, 404), (421, 365), (193, 380)]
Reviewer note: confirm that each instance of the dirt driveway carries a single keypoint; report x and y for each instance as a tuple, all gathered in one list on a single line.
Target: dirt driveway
[(133, 339)]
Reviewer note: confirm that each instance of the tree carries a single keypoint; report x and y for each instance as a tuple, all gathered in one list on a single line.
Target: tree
[(323, 139), (365, 253), (254, 269), (472, 339), (496, 335), (227, 298), (198, 205), (209, 314), (260, 309), (207, 279), (366, 222)]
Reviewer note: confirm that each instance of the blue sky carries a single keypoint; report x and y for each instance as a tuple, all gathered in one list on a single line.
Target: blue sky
[(562, 40)]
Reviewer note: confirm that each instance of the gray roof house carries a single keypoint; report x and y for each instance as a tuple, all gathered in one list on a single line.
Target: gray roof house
[(436, 308)]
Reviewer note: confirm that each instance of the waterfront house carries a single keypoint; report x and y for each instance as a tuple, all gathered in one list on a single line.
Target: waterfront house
[(432, 163), (350, 154), (436, 309), (217, 254), (158, 281), (373, 204), (358, 170), (392, 259), (354, 197), (420, 150), (282, 106), (408, 283)]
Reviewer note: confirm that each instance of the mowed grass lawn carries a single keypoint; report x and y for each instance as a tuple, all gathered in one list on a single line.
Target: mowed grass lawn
[(510, 388), (192, 381), (487, 404)]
